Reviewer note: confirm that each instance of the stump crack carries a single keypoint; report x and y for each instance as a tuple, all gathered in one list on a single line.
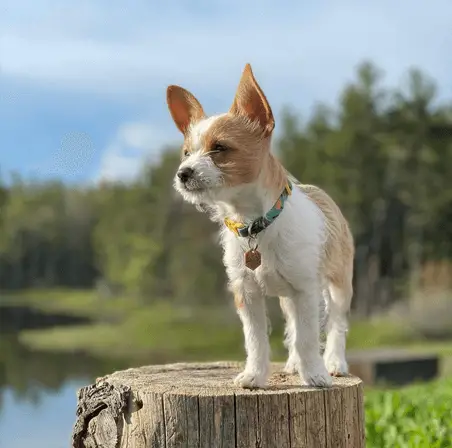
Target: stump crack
[(94, 399)]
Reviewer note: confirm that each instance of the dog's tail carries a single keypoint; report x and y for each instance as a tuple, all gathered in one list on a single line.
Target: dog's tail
[(324, 306)]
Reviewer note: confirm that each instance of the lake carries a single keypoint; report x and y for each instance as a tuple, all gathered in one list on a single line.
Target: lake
[(45, 424), (38, 389)]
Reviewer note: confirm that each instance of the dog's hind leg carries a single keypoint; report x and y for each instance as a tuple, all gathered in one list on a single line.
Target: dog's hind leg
[(289, 330), (337, 327), (289, 337), (324, 309), (302, 336)]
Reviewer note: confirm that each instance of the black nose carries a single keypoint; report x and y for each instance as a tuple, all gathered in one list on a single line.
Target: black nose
[(184, 174)]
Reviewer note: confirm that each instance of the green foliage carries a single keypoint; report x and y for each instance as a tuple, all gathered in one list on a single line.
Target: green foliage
[(383, 154), (124, 244), (367, 334), (415, 417), (159, 332)]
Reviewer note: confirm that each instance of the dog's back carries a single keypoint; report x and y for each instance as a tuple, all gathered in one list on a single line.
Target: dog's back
[(337, 271), (339, 248)]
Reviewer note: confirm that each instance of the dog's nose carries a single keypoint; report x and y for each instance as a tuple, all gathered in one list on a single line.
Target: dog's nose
[(184, 174)]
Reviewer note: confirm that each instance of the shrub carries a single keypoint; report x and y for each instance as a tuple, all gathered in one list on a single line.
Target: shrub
[(412, 417)]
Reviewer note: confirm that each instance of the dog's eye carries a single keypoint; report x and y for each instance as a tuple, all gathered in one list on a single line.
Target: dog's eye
[(186, 153), (218, 147)]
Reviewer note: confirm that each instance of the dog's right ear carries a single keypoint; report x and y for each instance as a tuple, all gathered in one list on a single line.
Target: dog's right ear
[(184, 107), (251, 102)]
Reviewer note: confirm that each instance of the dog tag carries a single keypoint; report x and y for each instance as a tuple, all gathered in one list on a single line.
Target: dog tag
[(252, 259)]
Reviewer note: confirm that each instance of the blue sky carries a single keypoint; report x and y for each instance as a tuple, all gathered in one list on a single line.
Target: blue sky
[(82, 83)]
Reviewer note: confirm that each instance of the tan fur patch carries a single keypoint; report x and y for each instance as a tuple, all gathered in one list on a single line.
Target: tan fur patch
[(238, 301), (184, 107), (245, 131), (339, 249), (274, 174), (247, 155), (241, 162), (251, 102)]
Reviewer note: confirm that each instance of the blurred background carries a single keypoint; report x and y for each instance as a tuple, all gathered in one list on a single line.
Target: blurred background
[(102, 266)]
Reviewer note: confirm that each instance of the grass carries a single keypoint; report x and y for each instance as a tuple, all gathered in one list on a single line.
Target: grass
[(126, 328), (379, 332), (417, 416), (159, 332), (411, 417), (85, 303)]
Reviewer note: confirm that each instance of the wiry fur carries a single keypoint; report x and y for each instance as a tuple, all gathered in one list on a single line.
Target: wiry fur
[(307, 252)]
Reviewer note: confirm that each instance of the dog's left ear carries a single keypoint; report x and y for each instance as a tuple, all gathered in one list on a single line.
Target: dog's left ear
[(184, 107), (251, 102)]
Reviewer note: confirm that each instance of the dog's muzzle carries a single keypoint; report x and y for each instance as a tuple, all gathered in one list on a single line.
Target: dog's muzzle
[(185, 174)]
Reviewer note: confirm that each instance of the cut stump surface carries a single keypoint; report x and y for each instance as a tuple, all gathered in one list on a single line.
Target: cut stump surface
[(197, 405)]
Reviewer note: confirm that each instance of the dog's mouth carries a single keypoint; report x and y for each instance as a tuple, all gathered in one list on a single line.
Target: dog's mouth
[(192, 187)]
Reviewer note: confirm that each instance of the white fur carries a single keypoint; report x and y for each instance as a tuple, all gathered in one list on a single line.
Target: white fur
[(337, 330), (207, 176), (291, 249), (200, 128), (254, 319)]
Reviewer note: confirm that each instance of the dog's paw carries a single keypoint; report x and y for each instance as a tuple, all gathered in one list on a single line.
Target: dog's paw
[(316, 377), (336, 366), (250, 380)]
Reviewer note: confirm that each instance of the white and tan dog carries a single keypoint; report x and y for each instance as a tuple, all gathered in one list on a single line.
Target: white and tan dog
[(280, 238)]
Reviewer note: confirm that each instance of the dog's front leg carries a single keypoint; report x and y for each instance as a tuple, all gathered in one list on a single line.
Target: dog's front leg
[(252, 311), (302, 312)]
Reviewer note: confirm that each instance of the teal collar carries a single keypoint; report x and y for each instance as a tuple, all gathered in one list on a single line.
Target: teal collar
[(261, 223)]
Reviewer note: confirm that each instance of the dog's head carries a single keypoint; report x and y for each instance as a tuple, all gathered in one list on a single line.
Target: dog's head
[(222, 152)]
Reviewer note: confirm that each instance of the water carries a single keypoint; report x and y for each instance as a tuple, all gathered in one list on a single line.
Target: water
[(38, 389), (47, 424)]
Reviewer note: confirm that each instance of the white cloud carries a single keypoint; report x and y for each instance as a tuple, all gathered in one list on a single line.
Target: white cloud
[(133, 144), (301, 52), (141, 48)]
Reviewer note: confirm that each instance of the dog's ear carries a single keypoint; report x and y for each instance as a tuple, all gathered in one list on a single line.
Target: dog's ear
[(250, 101), (184, 107)]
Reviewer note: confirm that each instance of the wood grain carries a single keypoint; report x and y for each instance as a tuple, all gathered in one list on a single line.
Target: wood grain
[(197, 406)]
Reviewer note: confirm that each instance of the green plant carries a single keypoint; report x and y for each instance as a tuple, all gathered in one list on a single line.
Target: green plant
[(413, 417)]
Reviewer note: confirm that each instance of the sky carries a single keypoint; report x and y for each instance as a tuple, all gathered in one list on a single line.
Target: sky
[(83, 83)]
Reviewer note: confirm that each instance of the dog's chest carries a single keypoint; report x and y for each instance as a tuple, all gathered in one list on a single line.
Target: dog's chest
[(271, 275), (271, 281)]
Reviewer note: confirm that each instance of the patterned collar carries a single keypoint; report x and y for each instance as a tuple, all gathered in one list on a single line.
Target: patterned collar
[(261, 223)]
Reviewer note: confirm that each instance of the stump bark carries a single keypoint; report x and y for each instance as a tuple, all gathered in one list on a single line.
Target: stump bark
[(197, 406)]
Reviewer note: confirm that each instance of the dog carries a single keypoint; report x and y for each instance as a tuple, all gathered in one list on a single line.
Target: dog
[(280, 238)]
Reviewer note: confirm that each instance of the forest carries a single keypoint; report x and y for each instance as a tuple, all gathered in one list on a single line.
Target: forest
[(383, 153)]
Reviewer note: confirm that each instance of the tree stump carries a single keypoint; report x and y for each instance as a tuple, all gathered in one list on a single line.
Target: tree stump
[(197, 405)]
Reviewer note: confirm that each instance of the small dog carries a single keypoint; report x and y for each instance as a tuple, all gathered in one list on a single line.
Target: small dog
[(280, 238)]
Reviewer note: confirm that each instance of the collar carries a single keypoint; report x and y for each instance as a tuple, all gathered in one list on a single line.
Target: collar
[(261, 223)]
